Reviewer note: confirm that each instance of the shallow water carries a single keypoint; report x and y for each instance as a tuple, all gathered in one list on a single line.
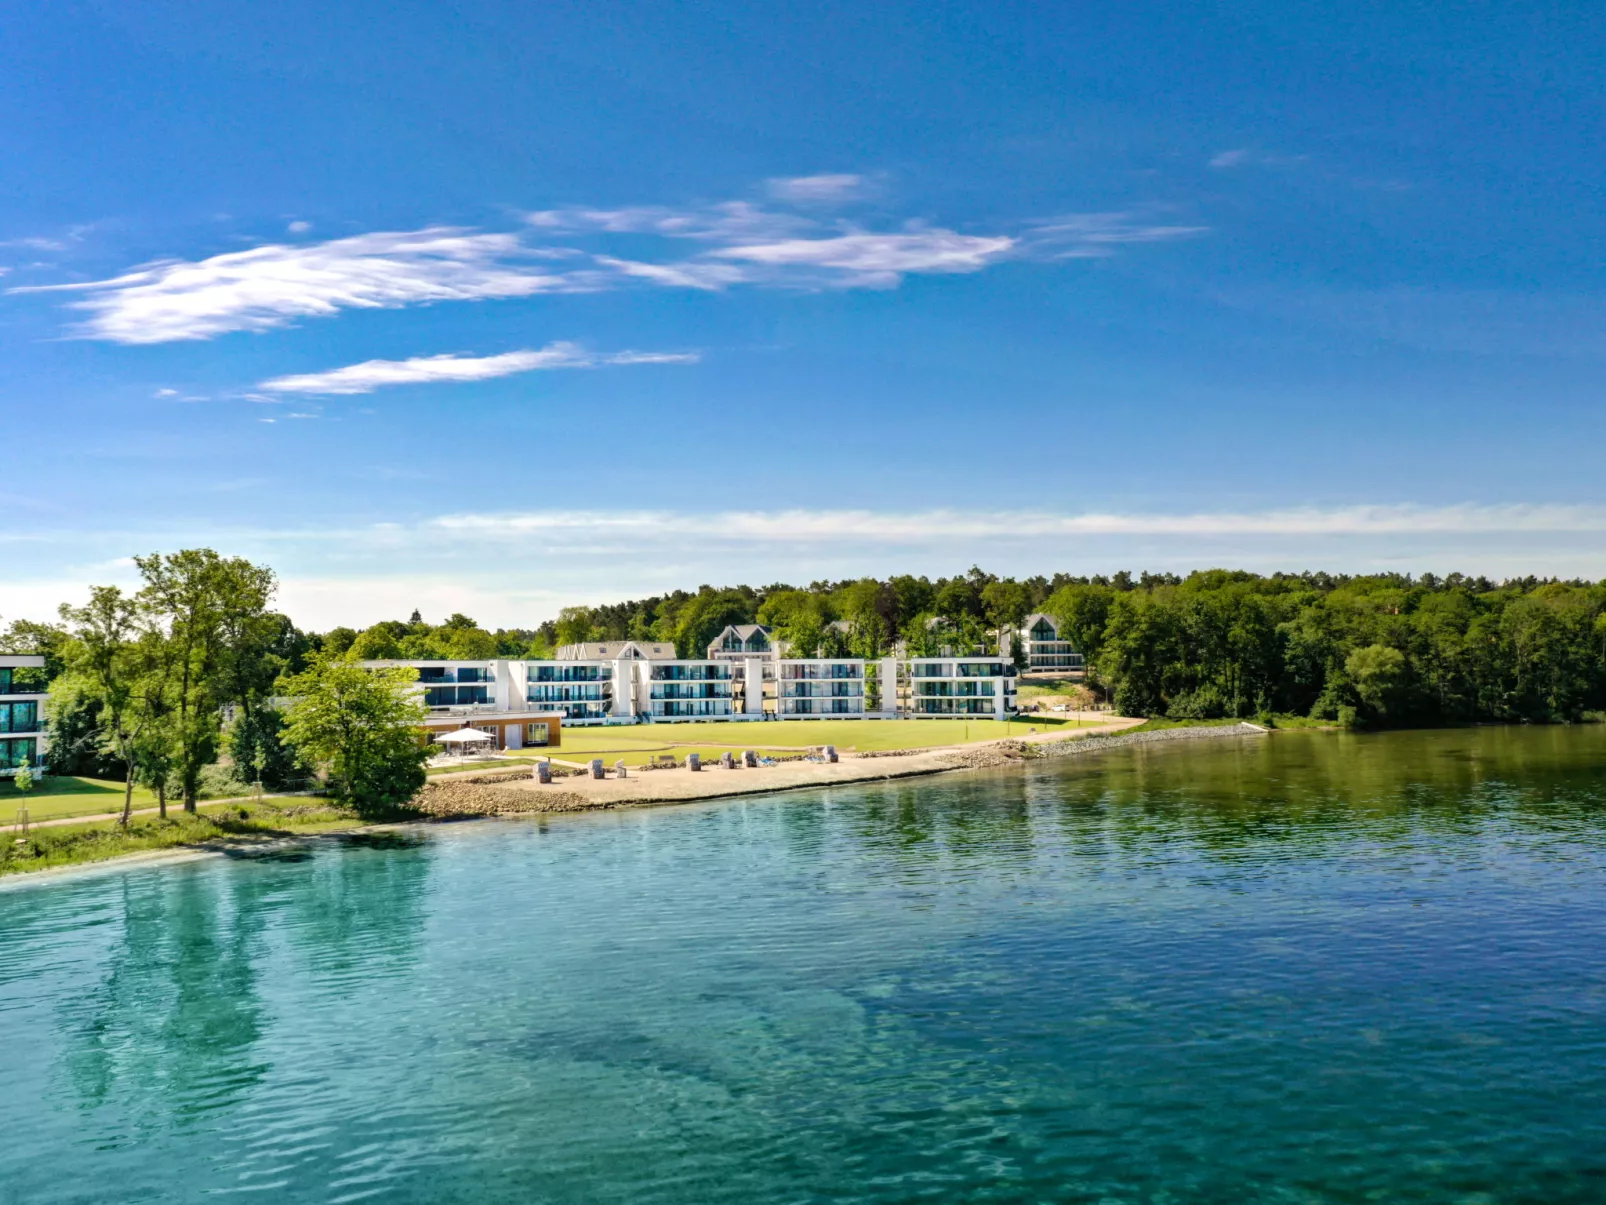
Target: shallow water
[(1306, 969)]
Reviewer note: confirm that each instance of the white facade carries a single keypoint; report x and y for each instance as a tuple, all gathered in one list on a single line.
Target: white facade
[(635, 689), (685, 690), (1045, 650), (819, 686), (22, 718), (948, 686)]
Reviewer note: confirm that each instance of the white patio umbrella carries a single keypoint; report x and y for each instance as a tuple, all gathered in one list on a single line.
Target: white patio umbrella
[(465, 736)]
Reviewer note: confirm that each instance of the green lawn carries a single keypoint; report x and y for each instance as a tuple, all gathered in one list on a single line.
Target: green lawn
[(637, 743), (794, 734), (52, 797)]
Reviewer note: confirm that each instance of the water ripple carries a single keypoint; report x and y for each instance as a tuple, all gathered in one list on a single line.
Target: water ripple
[(1311, 969)]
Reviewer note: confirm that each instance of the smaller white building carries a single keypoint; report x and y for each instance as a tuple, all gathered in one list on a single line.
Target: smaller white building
[(1045, 649), (686, 690), (819, 686), (22, 720), (960, 686)]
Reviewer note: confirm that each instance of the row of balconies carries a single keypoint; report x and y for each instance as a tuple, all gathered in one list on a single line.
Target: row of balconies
[(699, 672), (691, 690), (570, 673), (953, 707), (961, 669), (952, 690), (821, 690), (434, 675), (682, 709), (791, 673), (822, 707)]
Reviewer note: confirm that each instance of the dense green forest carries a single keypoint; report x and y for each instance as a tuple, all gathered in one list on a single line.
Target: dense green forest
[(1379, 650), (1385, 649)]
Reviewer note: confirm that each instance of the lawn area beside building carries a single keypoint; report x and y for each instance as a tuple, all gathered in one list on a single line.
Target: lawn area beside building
[(53, 797), (846, 735), (636, 744)]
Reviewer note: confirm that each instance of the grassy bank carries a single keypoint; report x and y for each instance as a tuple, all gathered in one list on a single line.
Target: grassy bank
[(70, 844)]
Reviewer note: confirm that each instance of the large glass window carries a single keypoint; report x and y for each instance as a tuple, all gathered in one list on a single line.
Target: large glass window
[(19, 717)]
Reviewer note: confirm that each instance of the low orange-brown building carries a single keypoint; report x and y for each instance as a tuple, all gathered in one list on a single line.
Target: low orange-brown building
[(510, 729)]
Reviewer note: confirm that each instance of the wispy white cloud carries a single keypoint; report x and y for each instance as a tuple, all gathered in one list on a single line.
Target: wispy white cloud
[(519, 567), (1243, 156), (877, 260), (715, 246), (299, 227), (1092, 235), (271, 286), (376, 374), (814, 190), (945, 526), (713, 223), (686, 274), (34, 243)]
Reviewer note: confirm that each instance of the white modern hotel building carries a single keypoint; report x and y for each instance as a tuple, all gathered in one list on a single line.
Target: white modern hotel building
[(627, 682)]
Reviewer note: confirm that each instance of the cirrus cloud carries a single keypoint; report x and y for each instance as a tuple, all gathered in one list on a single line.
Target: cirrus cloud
[(376, 374), (732, 243), (272, 285), (814, 190), (877, 260)]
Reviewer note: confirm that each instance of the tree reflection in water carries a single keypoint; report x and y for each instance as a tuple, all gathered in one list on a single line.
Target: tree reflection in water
[(170, 1032)]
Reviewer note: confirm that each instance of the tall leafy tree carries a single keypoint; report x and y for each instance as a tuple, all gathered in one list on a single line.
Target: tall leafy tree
[(107, 660), (212, 614), (360, 727)]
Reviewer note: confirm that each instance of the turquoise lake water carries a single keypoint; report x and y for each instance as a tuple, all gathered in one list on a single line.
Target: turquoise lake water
[(1309, 968)]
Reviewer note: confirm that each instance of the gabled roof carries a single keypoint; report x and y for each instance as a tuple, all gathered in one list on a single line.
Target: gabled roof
[(743, 632), (1032, 619)]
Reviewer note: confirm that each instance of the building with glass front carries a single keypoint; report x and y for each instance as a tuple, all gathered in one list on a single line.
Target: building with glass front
[(22, 719), (1045, 649), (819, 686), (955, 686), (506, 697)]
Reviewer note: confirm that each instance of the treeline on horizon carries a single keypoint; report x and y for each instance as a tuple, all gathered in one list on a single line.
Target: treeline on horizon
[(1388, 649)]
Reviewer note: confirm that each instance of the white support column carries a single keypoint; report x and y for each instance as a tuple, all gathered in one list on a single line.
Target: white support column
[(624, 688), (998, 698), (753, 686), (888, 676)]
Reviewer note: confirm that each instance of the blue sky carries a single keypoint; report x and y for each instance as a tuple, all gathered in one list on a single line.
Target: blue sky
[(498, 307)]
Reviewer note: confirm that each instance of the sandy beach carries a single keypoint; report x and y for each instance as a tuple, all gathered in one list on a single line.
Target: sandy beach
[(515, 791)]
